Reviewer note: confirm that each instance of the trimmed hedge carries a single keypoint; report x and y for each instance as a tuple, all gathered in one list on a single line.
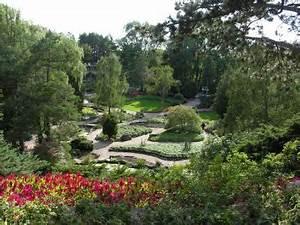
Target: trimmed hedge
[(176, 136), (163, 151)]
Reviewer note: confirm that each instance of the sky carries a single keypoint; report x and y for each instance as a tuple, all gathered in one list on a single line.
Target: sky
[(101, 16), (108, 17)]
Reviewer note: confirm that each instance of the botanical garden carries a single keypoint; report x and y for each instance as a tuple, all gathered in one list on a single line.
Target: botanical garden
[(192, 121)]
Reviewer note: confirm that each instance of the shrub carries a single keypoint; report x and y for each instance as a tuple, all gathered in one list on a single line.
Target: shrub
[(130, 131), (110, 125), (88, 111), (11, 161), (179, 97), (189, 89), (183, 118), (81, 145)]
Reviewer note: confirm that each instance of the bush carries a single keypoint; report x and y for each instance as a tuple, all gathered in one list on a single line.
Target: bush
[(179, 97), (81, 146), (110, 125), (206, 101), (189, 89), (129, 131), (11, 161), (183, 118), (266, 139)]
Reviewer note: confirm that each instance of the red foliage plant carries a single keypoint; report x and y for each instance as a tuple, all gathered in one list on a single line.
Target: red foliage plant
[(67, 189)]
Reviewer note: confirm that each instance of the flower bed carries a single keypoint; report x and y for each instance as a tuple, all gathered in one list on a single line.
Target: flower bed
[(68, 189)]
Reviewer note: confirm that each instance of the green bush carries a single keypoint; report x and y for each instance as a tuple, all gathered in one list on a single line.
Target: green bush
[(266, 139), (189, 89), (179, 97), (183, 118), (131, 131), (110, 125), (81, 146), (11, 161)]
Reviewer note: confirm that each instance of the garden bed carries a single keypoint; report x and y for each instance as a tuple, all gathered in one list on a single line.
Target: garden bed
[(127, 132), (176, 136), (171, 151), (149, 104)]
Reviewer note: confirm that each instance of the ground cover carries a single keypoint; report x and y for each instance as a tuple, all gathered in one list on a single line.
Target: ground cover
[(176, 136), (209, 116), (149, 104), (175, 151), (127, 132)]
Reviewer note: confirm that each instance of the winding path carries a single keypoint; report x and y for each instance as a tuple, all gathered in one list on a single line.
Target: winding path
[(101, 149)]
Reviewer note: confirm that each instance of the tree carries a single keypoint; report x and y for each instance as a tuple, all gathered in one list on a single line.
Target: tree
[(110, 125), (260, 90), (111, 84), (183, 118), (95, 47), (38, 91), (160, 81)]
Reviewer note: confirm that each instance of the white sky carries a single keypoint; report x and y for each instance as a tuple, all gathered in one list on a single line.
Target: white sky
[(100, 16), (109, 16)]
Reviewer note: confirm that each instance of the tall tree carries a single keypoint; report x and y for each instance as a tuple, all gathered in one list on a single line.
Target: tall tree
[(160, 81), (95, 46), (111, 84)]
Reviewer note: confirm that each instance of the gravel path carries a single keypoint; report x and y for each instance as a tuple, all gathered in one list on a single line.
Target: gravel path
[(101, 149)]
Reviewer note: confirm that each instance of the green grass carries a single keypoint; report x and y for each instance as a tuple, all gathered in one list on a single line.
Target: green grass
[(168, 151), (149, 104), (131, 131), (176, 136), (210, 116), (88, 111)]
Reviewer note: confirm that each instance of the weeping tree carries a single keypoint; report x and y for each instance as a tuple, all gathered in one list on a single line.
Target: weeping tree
[(111, 84)]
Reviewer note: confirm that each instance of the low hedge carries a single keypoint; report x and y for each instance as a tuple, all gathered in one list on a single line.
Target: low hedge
[(127, 132), (176, 136), (163, 151)]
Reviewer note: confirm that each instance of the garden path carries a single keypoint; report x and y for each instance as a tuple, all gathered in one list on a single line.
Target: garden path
[(101, 149)]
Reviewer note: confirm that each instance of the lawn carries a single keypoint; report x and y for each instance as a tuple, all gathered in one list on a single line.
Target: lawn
[(210, 116), (176, 136), (161, 150), (149, 104)]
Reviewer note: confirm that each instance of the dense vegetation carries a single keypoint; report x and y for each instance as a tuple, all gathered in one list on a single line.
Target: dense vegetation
[(237, 151)]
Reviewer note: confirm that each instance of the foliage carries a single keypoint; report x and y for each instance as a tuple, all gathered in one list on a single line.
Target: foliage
[(183, 118), (87, 111), (132, 131), (81, 146), (169, 151), (109, 71), (209, 116), (189, 89), (179, 97), (95, 47), (255, 94), (73, 188), (149, 104), (176, 136), (11, 161), (267, 139), (110, 125), (127, 132), (220, 189), (160, 81)]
